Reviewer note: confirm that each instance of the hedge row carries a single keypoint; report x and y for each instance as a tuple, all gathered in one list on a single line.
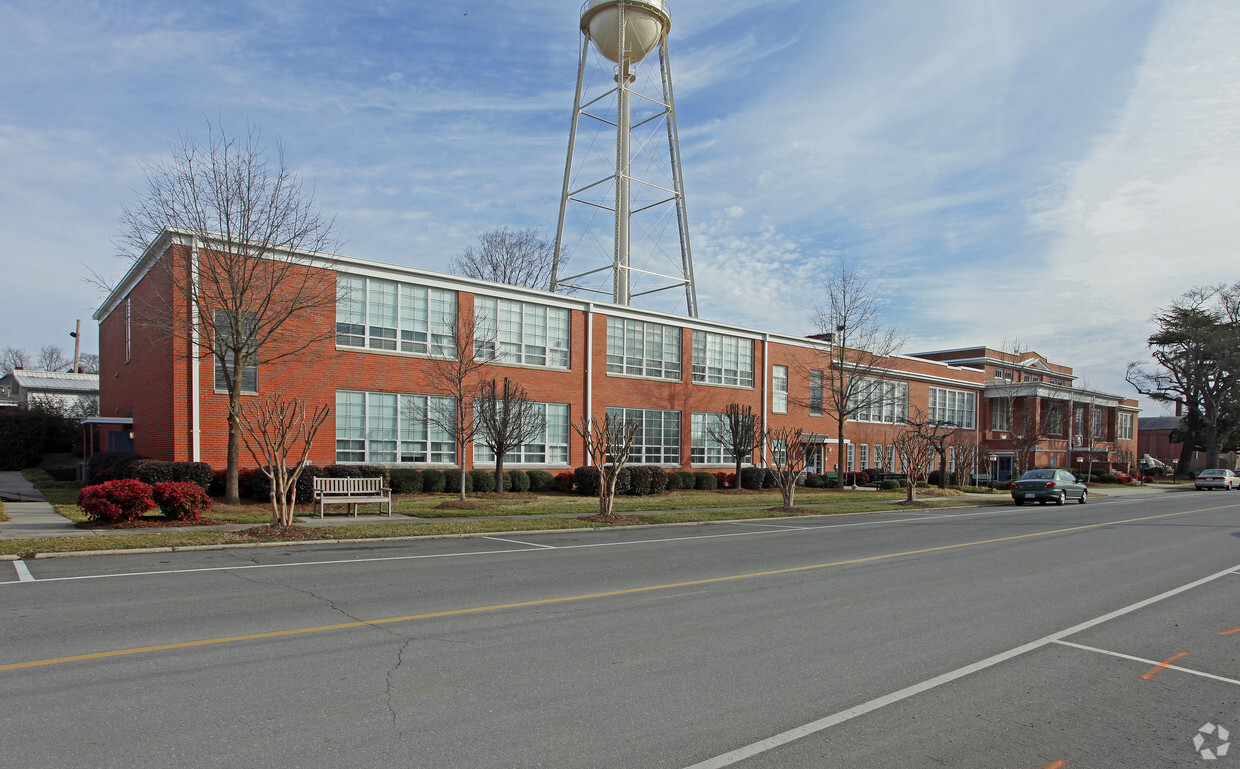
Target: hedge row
[(114, 465)]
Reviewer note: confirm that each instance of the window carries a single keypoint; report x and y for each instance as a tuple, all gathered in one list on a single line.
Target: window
[(815, 393), (878, 456), (386, 315), (128, 327), (999, 416), (719, 359), (521, 332), (881, 400), (1033, 377), (1124, 429), (1003, 373), (658, 435), (1054, 419), (703, 449), (954, 406), (1097, 420), (893, 456), (550, 448), (225, 344), (863, 455), (637, 348), (852, 456), (779, 389), (391, 428), (779, 452)]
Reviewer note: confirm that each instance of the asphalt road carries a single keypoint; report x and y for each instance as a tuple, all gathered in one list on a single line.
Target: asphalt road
[(1083, 636)]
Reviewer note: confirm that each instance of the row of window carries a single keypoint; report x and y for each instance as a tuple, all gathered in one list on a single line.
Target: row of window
[(1053, 421)]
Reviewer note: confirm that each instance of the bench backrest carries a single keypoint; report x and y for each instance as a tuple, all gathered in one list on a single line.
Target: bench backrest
[(348, 485)]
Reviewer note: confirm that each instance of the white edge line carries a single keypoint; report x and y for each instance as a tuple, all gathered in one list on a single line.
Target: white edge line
[(519, 542), (530, 548), (23, 572), (761, 746), (1147, 662)]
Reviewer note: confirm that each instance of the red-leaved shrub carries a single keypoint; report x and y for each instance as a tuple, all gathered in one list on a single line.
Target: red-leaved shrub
[(113, 501), (181, 500), (564, 481)]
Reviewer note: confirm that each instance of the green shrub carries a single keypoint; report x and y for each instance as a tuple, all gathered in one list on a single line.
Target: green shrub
[(516, 480), (1108, 478), (624, 480), (770, 480), (483, 480), (586, 480), (673, 481), (923, 485), (405, 480), (433, 481), (705, 481), (751, 477), (687, 479), (815, 482), (639, 480), (658, 480), (453, 478), (541, 480), (889, 485)]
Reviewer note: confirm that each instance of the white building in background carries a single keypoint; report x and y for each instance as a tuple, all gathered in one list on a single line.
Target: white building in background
[(72, 393)]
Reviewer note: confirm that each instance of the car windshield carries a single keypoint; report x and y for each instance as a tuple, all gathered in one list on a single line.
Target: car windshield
[(1212, 472), (1038, 475)]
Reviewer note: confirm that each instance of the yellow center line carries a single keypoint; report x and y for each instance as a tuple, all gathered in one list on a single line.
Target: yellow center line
[(583, 597), (1155, 670)]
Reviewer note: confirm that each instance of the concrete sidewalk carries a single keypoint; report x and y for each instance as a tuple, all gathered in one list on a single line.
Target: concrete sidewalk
[(31, 516)]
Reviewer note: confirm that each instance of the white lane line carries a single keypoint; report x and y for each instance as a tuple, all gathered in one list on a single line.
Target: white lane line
[(1154, 663), (773, 526), (519, 542), (23, 572), (626, 543), (800, 732)]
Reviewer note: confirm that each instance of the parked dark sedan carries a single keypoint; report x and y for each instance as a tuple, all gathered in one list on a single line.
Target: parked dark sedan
[(1048, 485)]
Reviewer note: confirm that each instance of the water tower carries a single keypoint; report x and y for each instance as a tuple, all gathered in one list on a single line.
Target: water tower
[(624, 159)]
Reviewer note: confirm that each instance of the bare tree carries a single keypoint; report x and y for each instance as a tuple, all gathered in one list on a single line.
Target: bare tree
[(915, 442), (252, 228), (88, 363), (789, 454), (739, 431), (276, 429), (52, 358), (455, 369), (517, 257), (967, 454), (607, 445), (12, 358), (507, 419), (857, 362)]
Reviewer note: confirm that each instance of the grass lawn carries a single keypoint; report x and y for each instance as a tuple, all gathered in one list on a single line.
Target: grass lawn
[(442, 515)]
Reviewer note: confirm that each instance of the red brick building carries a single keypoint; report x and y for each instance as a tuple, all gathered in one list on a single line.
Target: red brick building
[(1034, 415), (574, 356)]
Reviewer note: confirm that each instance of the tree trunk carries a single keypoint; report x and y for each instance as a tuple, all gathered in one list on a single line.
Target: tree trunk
[(942, 469), (910, 487), (788, 491), (232, 493), (499, 473), (738, 475)]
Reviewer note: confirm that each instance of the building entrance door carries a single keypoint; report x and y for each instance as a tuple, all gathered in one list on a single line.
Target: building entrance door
[(1004, 473)]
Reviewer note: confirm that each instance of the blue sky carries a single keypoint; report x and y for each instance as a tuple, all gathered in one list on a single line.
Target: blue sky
[(1044, 172)]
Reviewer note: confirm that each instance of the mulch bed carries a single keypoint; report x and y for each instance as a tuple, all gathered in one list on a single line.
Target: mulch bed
[(148, 523), (283, 533), (611, 520)]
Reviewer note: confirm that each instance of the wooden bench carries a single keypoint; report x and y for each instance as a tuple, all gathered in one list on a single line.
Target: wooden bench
[(352, 492)]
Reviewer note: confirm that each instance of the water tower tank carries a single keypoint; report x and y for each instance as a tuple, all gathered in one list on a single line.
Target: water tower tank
[(645, 22)]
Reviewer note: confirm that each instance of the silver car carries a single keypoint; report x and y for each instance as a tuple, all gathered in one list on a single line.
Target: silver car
[(1217, 479)]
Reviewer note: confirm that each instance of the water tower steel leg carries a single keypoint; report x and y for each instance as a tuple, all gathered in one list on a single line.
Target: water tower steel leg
[(624, 127), (682, 214), (568, 166)]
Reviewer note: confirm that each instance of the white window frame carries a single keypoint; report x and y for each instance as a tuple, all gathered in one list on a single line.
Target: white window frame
[(658, 435), (551, 448), (391, 428), (1123, 430), (659, 356), (779, 389), (722, 359), (703, 450), (524, 333), (955, 406), (249, 371), (392, 316), (891, 405)]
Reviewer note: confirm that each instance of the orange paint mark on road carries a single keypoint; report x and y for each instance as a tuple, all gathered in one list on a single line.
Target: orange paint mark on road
[(1154, 670), (1229, 632), (1058, 765)]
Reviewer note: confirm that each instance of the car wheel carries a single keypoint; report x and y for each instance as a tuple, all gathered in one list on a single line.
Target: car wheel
[(1063, 498), (1084, 494), (1018, 501)]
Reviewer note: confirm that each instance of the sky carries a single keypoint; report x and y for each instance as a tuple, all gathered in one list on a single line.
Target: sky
[(1007, 173)]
